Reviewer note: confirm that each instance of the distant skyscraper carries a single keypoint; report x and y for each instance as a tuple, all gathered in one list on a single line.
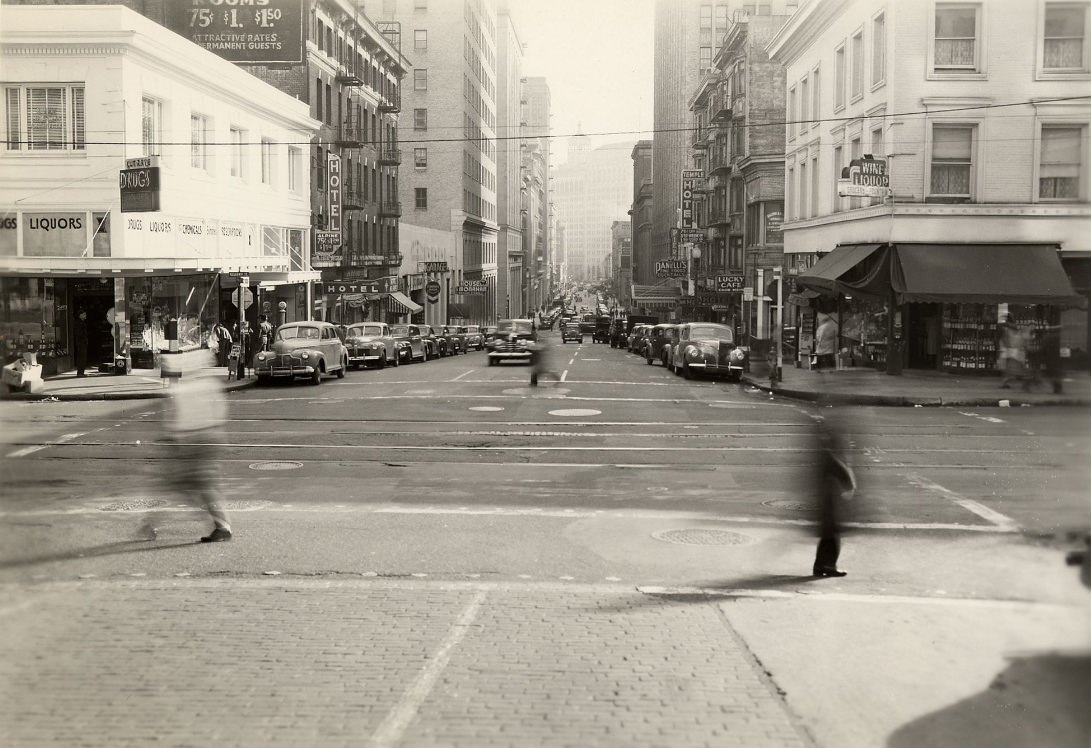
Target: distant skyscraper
[(592, 190), (536, 114)]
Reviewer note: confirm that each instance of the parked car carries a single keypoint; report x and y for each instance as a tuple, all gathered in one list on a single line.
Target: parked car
[(371, 344), (456, 341), (514, 341), (660, 340), (412, 342), (433, 344), (303, 349), (602, 329), (705, 347), (488, 332), (637, 339), (570, 330), (474, 339)]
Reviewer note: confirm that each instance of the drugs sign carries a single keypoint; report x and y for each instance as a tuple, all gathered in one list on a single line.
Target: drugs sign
[(864, 177)]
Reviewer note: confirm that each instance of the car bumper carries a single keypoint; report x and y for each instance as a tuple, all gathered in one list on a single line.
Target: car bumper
[(502, 355), (363, 358), (284, 371)]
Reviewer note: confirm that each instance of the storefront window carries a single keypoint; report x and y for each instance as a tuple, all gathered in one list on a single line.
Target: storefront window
[(169, 314), (34, 317)]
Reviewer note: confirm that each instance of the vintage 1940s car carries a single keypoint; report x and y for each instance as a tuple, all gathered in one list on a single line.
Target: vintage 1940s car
[(434, 345), (704, 347), (370, 343), (514, 341), (474, 338), (412, 343), (303, 349), (570, 330), (456, 341), (660, 341)]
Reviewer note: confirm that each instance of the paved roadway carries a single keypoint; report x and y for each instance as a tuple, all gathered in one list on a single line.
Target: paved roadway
[(616, 558)]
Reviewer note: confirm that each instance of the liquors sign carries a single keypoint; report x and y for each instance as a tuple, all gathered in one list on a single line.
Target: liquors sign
[(864, 177)]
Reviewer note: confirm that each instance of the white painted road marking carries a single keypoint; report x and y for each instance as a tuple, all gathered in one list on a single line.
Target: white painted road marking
[(990, 419), (989, 515), (30, 450), (463, 374), (392, 730)]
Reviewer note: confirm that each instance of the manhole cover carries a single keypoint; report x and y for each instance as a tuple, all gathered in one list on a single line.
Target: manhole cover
[(133, 505), (795, 506), (276, 465), (702, 537)]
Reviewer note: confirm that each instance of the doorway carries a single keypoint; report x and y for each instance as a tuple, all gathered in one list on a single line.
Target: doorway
[(100, 331), (924, 336)]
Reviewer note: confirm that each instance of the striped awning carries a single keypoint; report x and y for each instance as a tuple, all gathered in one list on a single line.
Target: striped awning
[(402, 304)]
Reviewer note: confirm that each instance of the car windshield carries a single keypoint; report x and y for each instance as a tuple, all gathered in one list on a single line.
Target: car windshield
[(717, 332), (362, 331), (399, 330), (292, 333), (514, 325)]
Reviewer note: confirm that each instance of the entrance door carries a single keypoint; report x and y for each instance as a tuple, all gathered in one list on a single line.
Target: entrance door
[(924, 336), (100, 333)]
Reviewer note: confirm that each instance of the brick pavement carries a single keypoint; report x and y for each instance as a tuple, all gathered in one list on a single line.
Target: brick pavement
[(377, 662)]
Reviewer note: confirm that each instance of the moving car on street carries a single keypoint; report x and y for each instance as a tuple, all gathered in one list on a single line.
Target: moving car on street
[(303, 349), (704, 347), (513, 341), (570, 330), (474, 338), (371, 344)]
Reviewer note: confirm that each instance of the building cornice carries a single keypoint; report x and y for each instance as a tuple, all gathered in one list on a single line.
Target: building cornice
[(930, 210), (807, 24)]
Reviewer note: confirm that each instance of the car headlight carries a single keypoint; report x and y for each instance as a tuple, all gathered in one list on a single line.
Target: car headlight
[(262, 357), (305, 356), (737, 356)]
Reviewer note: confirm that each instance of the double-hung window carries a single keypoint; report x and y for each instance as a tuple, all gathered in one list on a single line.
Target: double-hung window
[(420, 79), (1060, 163), (151, 126), (420, 158), (952, 163), (238, 138), (957, 45), (839, 78), (878, 49), (267, 155), (44, 118), (295, 162), (198, 141), (1064, 39), (420, 119)]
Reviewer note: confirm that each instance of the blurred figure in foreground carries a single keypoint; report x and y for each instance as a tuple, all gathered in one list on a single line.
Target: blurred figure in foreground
[(540, 361), (835, 485), (195, 428)]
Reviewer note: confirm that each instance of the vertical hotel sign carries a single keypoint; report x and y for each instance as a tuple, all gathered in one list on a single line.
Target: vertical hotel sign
[(691, 179), (328, 242)]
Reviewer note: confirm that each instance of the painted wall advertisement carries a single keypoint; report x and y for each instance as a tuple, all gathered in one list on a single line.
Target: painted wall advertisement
[(256, 31)]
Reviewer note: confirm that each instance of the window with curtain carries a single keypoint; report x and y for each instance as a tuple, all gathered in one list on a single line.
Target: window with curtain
[(1064, 37), (151, 120), (198, 141), (45, 118), (956, 37), (1060, 162), (420, 157), (952, 160)]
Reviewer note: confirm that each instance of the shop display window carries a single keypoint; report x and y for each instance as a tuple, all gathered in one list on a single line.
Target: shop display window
[(969, 338), (169, 315), (34, 317)]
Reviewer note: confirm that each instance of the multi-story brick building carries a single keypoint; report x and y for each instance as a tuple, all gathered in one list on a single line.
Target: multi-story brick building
[(739, 145), (976, 113), (640, 214), (536, 130), (213, 186), (621, 263), (452, 104)]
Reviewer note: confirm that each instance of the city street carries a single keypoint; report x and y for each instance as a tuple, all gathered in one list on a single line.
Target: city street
[(440, 554)]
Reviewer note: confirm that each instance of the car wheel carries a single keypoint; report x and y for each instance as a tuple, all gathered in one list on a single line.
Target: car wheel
[(316, 377), (686, 370), (343, 369), (264, 380), (649, 359), (382, 361), (397, 359)]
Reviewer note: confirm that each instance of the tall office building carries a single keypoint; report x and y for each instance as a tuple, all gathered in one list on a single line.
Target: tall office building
[(592, 190), (536, 127), (510, 189), (687, 33), (451, 101)]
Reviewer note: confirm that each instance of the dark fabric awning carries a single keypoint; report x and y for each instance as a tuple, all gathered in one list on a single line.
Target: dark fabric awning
[(853, 269), (456, 311), (981, 274), (402, 304), (945, 273)]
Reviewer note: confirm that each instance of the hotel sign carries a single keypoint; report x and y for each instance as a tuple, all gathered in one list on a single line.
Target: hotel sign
[(691, 180), (242, 31)]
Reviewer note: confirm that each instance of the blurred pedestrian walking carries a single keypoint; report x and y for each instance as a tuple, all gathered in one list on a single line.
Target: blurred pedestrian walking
[(1013, 354), (195, 430), (835, 486), (825, 342)]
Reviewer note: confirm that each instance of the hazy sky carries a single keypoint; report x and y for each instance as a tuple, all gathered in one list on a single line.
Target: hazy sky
[(597, 58)]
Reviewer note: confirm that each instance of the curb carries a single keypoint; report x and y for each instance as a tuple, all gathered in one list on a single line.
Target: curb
[(909, 401), (100, 396)]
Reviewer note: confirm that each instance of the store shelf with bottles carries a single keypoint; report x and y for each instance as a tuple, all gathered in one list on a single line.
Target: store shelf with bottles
[(969, 338)]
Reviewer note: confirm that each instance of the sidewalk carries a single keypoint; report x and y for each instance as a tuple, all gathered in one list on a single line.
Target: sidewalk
[(139, 384), (861, 386)]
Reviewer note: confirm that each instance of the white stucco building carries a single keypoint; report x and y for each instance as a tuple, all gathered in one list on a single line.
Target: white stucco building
[(87, 88)]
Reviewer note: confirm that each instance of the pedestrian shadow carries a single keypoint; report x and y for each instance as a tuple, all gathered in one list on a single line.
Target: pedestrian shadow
[(1038, 700), (136, 545), (703, 592)]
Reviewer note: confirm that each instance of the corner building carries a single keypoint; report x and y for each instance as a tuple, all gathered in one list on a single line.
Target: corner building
[(978, 114)]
